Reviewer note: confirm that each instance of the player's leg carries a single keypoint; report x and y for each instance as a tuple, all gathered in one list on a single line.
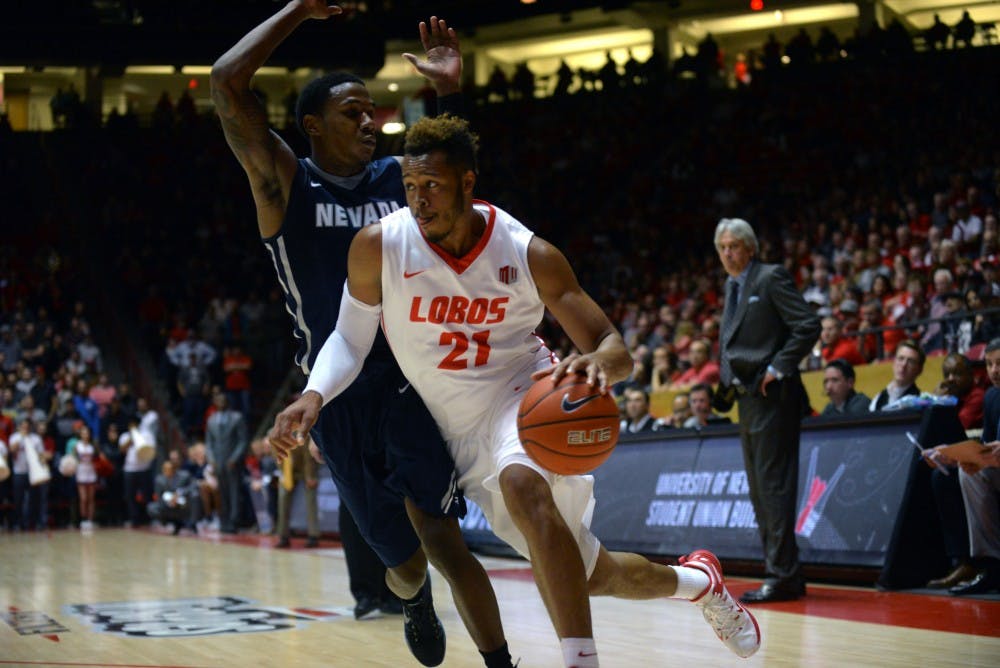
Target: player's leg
[(470, 585), (555, 556), (422, 471), (698, 579)]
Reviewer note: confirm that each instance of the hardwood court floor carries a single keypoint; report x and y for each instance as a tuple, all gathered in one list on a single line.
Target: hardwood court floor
[(140, 598)]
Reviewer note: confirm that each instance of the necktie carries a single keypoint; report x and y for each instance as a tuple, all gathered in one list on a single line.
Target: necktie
[(728, 317)]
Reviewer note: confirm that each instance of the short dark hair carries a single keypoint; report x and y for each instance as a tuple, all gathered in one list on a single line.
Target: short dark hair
[(843, 366), (993, 345), (915, 347), (316, 93), (446, 133), (639, 389), (702, 387)]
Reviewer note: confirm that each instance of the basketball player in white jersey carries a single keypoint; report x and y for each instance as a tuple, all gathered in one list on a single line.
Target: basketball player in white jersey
[(459, 287)]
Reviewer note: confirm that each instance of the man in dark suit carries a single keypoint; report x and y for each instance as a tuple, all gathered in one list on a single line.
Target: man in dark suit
[(767, 328), (226, 438)]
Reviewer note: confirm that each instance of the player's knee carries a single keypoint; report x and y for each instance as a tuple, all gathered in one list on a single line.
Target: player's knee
[(442, 541), (528, 496)]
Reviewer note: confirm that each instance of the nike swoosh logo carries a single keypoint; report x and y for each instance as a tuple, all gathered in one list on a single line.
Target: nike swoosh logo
[(570, 406), (315, 184), (581, 653), (409, 274), (404, 388)]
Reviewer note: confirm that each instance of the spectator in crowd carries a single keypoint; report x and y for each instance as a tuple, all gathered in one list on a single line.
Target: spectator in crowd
[(943, 283), (937, 35), (681, 408), (981, 494), (86, 407), (703, 371), (878, 343), (700, 400), (262, 481), (193, 386), (957, 326), (25, 444), (301, 467), (836, 345), (236, 366), (226, 439), (663, 370), (102, 393), (964, 30), (907, 365), (207, 485), (174, 498), (959, 381), (838, 386), (10, 348), (637, 417), (138, 472)]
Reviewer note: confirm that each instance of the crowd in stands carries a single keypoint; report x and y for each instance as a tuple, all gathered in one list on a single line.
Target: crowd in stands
[(879, 195)]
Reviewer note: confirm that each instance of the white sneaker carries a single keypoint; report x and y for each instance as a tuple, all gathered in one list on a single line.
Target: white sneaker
[(735, 626)]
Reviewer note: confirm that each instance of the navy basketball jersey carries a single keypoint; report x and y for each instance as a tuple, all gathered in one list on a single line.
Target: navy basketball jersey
[(310, 251)]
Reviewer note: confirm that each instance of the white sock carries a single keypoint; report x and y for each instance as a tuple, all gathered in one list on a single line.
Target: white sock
[(691, 582), (579, 652)]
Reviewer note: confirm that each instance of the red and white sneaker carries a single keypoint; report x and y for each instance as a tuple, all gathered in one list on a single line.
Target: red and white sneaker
[(734, 624)]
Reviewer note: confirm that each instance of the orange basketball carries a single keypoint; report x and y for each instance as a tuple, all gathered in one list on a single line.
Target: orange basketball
[(569, 428)]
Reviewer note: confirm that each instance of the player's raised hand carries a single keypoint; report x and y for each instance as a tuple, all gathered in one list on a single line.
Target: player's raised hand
[(319, 9), (292, 425), (442, 63)]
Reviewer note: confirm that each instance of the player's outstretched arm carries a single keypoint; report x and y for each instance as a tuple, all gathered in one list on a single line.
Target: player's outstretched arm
[(442, 63), (269, 163), (605, 360), (343, 354)]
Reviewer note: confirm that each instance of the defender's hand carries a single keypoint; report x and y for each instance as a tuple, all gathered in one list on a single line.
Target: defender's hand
[(292, 425), (319, 9), (443, 58)]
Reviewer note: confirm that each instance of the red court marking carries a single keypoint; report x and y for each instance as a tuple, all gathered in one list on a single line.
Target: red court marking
[(53, 637), (315, 613)]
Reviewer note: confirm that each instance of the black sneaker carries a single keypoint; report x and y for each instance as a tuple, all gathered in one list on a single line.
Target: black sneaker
[(422, 628), (390, 605)]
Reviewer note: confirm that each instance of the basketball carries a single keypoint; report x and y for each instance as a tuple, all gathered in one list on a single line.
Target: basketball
[(568, 428)]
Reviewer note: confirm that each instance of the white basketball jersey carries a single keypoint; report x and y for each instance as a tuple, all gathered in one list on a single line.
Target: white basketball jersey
[(462, 329)]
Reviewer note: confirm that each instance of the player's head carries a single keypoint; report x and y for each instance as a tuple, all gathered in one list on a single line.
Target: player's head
[(439, 173), (337, 115)]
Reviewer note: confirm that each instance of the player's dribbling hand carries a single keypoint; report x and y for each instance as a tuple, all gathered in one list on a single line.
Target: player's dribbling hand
[(443, 63), (292, 425), (319, 9), (590, 364)]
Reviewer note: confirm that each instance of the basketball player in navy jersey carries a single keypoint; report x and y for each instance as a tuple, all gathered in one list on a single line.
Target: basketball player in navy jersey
[(459, 286), (386, 455)]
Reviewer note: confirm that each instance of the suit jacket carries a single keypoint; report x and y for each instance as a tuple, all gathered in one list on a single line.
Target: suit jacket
[(773, 326), (180, 482), (226, 437)]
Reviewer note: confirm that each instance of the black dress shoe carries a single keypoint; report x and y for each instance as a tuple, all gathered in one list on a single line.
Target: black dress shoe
[(963, 573), (283, 542), (312, 541), (365, 608), (772, 593), (986, 581)]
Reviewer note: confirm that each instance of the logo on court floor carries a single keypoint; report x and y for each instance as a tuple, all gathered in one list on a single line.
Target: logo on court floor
[(212, 615), (32, 622)]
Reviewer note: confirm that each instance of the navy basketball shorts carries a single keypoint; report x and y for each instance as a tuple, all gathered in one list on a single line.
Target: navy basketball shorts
[(382, 445)]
